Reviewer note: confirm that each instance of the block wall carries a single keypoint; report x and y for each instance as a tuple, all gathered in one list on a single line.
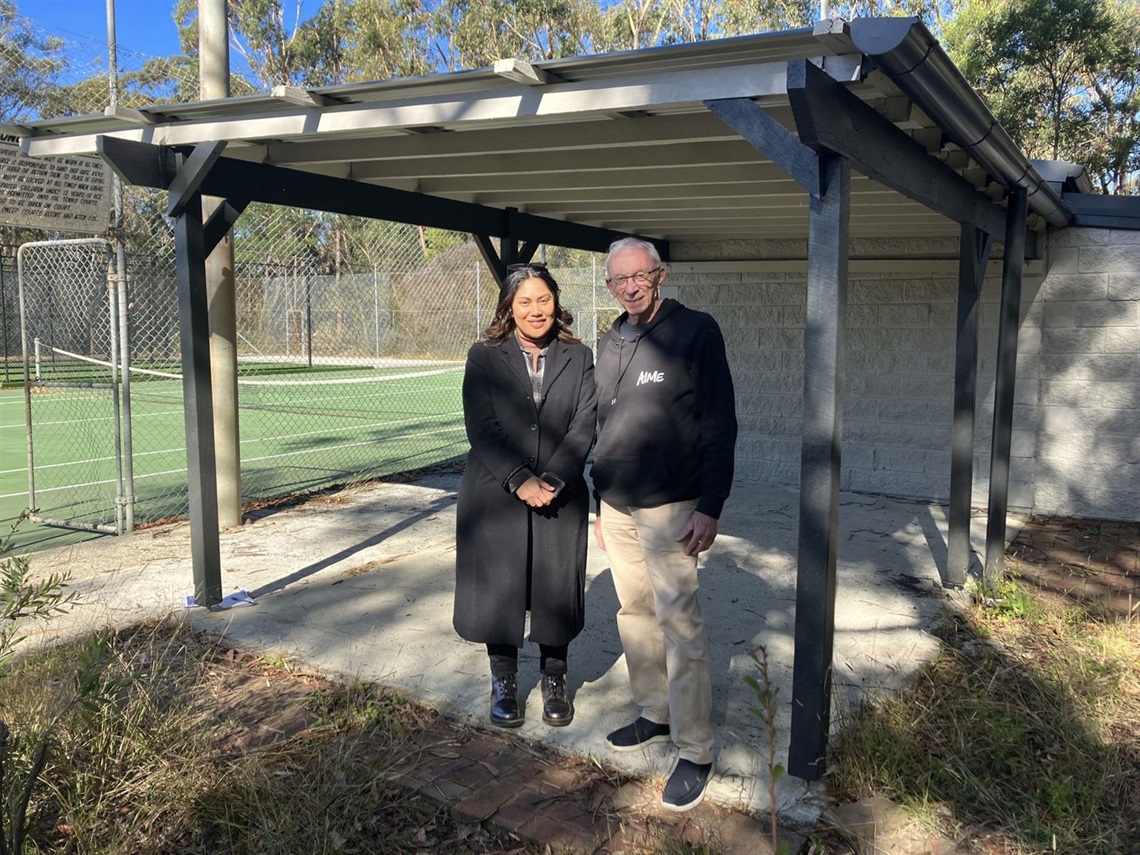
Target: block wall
[(1076, 437), (1088, 440), (899, 361)]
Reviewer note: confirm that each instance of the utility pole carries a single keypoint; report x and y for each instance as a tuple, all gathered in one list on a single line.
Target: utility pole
[(214, 82)]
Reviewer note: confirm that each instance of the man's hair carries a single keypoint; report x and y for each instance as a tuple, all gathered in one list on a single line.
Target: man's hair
[(633, 243)]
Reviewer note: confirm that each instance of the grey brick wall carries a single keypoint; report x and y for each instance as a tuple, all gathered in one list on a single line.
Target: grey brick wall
[(898, 400), (1076, 437), (1088, 437)]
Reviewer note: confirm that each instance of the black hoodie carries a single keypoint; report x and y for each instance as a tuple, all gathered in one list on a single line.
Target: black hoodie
[(666, 413)]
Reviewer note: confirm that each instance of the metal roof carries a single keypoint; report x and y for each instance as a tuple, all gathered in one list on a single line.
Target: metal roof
[(620, 141)]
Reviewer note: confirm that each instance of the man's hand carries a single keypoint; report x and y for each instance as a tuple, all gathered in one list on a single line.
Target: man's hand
[(598, 536), (698, 534), (535, 492)]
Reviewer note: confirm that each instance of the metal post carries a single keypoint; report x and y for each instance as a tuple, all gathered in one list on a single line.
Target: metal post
[(116, 410), (194, 323), (376, 307), (3, 318), (309, 317), (973, 253), (819, 469), (478, 300), (1004, 380), (214, 82), (125, 512)]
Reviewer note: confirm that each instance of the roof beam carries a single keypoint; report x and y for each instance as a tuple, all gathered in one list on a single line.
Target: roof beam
[(683, 154), (771, 139), (662, 130), (520, 71), (638, 92), (633, 179), (204, 172), (830, 118)]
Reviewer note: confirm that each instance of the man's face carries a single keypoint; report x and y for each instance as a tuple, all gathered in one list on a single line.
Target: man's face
[(634, 278)]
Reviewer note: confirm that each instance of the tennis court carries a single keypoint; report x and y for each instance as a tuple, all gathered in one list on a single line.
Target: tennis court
[(302, 428)]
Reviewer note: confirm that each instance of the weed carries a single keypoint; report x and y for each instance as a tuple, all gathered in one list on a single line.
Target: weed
[(766, 712)]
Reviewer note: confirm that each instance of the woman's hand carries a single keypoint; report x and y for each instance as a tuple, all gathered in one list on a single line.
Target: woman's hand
[(535, 492)]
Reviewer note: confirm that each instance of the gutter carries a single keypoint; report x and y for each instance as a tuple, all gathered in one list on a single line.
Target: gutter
[(904, 50)]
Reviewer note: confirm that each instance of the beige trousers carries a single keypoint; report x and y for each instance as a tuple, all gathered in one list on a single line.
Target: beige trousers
[(660, 622)]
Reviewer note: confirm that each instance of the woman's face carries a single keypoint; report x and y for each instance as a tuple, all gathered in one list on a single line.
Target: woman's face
[(533, 309)]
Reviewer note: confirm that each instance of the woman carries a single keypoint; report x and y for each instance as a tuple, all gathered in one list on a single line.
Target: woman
[(528, 405)]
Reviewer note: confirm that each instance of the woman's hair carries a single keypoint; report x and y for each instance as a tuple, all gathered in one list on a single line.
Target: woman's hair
[(503, 324)]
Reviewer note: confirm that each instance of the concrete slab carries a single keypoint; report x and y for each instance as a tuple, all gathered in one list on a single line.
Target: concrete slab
[(360, 584)]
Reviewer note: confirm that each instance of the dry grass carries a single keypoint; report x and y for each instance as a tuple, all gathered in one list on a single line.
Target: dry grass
[(1022, 737), (204, 750)]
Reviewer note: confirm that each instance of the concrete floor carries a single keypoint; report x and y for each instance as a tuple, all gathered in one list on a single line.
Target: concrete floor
[(359, 584)]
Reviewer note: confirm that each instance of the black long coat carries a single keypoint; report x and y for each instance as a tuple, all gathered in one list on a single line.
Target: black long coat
[(498, 537)]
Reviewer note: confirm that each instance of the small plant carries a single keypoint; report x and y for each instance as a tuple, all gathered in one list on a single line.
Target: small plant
[(765, 710), (23, 755), (1004, 598)]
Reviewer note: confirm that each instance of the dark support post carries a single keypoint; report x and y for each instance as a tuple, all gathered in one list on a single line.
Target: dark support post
[(194, 326), (1004, 381), (819, 469), (973, 254)]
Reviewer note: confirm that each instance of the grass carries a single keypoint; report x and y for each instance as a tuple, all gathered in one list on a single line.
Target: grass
[(204, 750), (1022, 736)]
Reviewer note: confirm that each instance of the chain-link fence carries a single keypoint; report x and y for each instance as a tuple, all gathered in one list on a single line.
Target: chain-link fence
[(351, 336)]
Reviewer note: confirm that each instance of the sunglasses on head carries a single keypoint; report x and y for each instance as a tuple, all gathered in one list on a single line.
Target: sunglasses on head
[(530, 265)]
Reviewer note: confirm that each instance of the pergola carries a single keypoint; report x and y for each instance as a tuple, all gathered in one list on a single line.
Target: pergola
[(860, 129)]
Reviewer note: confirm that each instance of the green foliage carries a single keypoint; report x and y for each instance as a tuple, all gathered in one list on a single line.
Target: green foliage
[(23, 599), (1003, 598), (29, 63), (1061, 76), (24, 753)]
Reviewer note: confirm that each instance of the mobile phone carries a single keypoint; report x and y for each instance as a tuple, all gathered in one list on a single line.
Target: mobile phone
[(554, 481)]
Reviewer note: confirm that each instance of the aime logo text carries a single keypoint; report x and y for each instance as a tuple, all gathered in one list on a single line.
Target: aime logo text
[(650, 377)]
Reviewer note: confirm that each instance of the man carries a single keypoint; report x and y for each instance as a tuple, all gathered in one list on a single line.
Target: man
[(662, 469)]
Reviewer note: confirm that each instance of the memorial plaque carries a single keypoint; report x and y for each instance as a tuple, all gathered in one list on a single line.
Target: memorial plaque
[(66, 194)]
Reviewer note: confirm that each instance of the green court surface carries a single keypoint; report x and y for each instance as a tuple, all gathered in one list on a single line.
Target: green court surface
[(300, 429)]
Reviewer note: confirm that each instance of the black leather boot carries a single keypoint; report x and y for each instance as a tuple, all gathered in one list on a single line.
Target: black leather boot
[(505, 710), (557, 710)]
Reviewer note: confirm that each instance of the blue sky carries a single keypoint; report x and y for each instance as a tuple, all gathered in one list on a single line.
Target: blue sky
[(143, 26)]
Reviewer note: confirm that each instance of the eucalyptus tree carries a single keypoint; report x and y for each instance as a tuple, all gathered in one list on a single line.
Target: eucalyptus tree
[(1061, 76), (29, 64)]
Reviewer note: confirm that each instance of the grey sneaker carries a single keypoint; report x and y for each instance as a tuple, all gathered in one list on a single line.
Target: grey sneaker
[(637, 735), (685, 788)]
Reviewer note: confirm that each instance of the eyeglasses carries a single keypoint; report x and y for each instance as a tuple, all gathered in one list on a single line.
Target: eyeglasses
[(641, 277), (530, 265)]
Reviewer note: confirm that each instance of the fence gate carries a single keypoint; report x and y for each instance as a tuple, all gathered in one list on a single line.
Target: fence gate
[(73, 331)]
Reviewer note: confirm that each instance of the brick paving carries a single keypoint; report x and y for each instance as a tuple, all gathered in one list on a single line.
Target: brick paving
[(1094, 562), (572, 803)]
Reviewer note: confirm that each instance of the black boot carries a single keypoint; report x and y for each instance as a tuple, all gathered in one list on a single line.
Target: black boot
[(505, 710), (557, 710)]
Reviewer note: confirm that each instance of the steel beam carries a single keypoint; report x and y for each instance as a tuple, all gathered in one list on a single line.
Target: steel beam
[(221, 221), (771, 139), (259, 182), (819, 470), (830, 117), (194, 327), (973, 255), (1005, 381)]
